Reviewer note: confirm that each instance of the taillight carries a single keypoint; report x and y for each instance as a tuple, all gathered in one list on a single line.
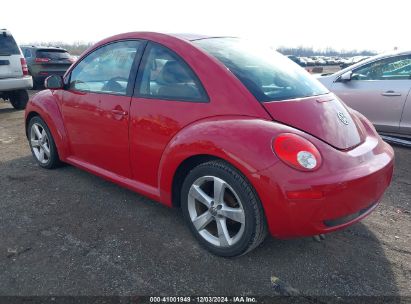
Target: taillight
[(24, 67), (42, 60), (297, 152)]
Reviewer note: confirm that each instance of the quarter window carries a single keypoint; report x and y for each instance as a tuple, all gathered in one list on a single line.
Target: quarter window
[(106, 70), (166, 76), (27, 53), (395, 68)]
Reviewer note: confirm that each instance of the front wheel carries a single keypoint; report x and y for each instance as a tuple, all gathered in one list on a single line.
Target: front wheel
[(222, 209), (42, 144)]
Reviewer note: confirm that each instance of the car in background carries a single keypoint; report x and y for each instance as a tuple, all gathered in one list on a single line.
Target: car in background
[(240, 138), (353, 60), (45, 61), (318, 60), (379, 88), (309, 61), (331, 60), (298, 60), (14, 77)]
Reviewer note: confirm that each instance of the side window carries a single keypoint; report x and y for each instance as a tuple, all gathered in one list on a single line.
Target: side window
[(106, 70), (27, 53), (395, 68), (166, 76)]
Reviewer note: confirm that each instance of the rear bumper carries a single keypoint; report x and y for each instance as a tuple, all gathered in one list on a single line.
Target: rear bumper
[(11, 84), (348, 194)]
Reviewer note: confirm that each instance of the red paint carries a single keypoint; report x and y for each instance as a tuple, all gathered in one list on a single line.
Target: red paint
[(304, 194), (318, 116), (139, 143)]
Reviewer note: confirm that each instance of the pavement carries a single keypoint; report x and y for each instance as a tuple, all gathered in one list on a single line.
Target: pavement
[(67, 232)]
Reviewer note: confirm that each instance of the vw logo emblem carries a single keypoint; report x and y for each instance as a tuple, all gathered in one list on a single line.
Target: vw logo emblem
[(342, 118)]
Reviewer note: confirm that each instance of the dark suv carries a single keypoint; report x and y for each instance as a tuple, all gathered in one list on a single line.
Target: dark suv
[(45, 61)]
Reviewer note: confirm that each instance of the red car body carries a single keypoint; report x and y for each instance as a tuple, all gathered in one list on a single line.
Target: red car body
[(147, 144)]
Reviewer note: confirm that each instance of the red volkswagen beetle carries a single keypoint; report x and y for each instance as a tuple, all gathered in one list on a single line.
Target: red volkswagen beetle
[(235, 134)]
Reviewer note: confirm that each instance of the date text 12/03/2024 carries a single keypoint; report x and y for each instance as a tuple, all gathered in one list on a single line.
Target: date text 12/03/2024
[(234, 299)]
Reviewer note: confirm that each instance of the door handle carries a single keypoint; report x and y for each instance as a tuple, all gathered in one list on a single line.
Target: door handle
[(119, 112), (391, 93)]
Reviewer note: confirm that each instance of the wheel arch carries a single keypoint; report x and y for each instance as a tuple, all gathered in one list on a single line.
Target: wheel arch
[(29, 116), (45, 105), (182, 171)]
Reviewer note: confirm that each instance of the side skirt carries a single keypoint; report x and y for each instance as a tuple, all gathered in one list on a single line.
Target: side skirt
[(141, 188)]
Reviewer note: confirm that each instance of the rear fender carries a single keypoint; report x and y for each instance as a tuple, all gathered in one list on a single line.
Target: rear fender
[(243, 142)]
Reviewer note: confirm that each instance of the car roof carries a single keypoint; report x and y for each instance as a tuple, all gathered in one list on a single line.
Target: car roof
[(43, 47), (5, 31), (371, 59), (190, 36), (160, 36), (170, 39)]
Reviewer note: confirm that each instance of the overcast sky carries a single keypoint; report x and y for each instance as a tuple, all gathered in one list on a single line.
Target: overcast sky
[(377, 25)]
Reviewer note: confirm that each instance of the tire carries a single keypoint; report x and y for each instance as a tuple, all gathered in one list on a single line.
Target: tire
[(37, 85), (19, 99), (42, 144), (238, 208)]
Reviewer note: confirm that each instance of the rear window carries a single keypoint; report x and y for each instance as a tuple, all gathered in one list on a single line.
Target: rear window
[(8, 46), (268, 75), (53, 54)]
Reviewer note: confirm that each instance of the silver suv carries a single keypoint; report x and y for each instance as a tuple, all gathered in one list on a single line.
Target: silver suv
[(14, 74)]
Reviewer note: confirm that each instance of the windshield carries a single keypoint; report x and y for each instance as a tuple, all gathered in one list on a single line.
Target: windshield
[(268, 75), (8, 46)]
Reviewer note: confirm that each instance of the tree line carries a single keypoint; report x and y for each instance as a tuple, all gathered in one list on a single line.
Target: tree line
[(306, 52)]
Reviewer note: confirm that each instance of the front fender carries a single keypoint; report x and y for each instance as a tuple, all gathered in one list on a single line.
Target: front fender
[(47, 104), (244, 142)]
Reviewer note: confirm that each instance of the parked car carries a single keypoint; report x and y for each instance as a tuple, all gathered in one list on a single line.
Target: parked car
[(309, 61), (233, 133), (353, 60), (45, 61), (303, 61), (331, 61), (14, 77), (379, 88), (318, 60), (297, 60)]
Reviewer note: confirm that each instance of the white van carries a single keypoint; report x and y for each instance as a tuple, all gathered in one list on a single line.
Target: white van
[(14, 74)]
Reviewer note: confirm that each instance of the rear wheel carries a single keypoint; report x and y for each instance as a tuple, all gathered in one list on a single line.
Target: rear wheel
[(19, 99), (42, 144), (222, 209)]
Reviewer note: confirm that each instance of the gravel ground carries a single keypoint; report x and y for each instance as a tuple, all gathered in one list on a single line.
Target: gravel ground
[(67, 232)]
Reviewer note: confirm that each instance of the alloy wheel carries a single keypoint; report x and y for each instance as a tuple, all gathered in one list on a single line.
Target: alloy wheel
[(216, 211), (40, 143)]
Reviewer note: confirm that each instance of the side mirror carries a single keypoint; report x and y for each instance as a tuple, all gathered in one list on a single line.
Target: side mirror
[(54, 82), (346, 76)]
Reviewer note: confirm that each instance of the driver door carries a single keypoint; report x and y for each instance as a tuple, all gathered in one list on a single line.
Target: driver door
[(96, 106)]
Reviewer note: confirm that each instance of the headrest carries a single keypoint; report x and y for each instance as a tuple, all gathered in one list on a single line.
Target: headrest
[(174, 72)]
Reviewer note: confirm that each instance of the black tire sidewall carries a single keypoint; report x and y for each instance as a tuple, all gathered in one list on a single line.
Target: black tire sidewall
[(250, 217), (54, 158), (19, 99)]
